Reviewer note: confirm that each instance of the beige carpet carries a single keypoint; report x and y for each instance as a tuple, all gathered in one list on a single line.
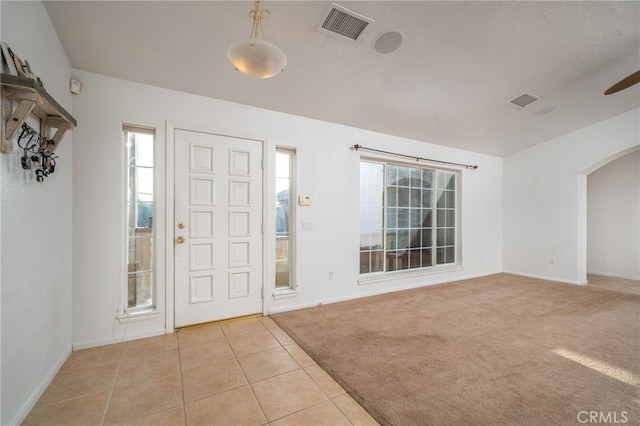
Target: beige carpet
[(499, 350)]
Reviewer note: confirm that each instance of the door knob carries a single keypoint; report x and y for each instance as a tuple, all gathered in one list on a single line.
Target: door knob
[(180, 240), (181, 225)]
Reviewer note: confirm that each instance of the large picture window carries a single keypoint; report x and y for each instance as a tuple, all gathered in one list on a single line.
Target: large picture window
[(407, 217)]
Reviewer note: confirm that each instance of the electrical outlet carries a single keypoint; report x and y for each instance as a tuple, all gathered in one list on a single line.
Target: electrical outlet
[(552, 260), (330, 275)]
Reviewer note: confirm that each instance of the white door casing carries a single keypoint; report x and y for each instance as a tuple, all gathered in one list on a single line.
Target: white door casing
[(218, 212)]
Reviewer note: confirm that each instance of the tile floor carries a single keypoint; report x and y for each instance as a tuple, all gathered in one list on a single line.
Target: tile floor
[(238, 372)]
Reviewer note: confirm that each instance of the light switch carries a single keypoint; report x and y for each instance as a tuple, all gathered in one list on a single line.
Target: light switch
[(307, 226), (75, 86)]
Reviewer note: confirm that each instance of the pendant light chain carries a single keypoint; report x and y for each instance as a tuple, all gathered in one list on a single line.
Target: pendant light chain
[(257, 15)]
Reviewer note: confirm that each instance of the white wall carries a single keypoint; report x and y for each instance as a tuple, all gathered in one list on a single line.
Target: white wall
[(328, 170), (545, 192), (613, 218), (36, 232)]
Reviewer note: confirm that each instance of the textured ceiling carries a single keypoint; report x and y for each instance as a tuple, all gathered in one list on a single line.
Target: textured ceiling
[(450, 83)]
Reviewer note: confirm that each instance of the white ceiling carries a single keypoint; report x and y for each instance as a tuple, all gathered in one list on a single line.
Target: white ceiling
[(449, 84)]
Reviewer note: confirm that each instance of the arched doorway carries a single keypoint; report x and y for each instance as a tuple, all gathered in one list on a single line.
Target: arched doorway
[(612, 211)]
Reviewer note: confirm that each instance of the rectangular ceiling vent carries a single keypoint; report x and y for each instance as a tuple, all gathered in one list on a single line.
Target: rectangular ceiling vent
[(524, 100), (344, 22)]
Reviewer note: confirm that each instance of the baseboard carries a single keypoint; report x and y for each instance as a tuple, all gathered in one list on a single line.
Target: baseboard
[(412, 274), (85, 344), (608, 274), (286, 308), (542, 277), (37, 393)]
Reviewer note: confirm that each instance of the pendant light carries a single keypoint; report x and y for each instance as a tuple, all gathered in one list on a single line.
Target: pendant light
[(257, 57)]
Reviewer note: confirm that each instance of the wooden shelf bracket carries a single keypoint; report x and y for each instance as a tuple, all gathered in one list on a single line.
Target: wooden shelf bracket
[(31, 98)]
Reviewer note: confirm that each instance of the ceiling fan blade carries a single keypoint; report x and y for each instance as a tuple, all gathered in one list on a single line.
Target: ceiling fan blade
[(624, 83)]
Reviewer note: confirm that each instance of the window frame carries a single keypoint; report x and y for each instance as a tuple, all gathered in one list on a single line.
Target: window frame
[(150, 308), (384, 274), (292, 287)]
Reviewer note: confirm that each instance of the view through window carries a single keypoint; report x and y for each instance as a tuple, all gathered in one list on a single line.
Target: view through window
[(284, 234), (140, 291), (407, 217)]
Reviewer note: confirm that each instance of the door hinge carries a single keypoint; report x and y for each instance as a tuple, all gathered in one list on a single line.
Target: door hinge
[(262, 292)]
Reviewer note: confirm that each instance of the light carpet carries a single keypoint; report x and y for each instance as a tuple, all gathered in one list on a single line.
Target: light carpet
[(497, 350)]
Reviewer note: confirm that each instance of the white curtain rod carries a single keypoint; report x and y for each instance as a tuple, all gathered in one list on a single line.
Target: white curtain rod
[(466, 166)]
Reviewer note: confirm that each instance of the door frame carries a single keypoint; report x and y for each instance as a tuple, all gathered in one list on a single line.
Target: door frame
[(169, 278)]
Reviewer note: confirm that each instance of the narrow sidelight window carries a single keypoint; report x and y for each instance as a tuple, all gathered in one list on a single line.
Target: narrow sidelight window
[(140, 289), (285, 197)]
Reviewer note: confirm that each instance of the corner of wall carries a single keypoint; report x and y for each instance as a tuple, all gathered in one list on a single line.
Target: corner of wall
[(36, 233), (544, 198)]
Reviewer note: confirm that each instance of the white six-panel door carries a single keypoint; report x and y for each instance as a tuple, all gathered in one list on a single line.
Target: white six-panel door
[(218, 227)]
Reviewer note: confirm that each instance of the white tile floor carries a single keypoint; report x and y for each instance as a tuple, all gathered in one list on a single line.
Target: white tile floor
[(246, 371)]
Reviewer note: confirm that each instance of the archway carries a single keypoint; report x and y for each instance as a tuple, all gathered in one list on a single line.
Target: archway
[(610, 212)]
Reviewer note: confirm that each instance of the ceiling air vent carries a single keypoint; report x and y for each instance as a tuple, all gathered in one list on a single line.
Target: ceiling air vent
[(344, 22), (524, 100)]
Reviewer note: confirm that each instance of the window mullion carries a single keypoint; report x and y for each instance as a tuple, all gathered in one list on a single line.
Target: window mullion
[(384, 218), (434, 217)]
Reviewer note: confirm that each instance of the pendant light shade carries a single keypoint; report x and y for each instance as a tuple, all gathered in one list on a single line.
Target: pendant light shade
[(257, 57)]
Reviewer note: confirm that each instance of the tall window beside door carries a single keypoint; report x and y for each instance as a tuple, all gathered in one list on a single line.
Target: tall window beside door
[(139, 181), (407, 217), (285, 201)]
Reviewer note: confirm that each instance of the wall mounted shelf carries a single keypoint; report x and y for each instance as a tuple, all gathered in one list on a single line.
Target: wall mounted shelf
[(31, 98)]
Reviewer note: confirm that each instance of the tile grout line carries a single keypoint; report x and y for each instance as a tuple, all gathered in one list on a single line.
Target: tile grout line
[(237, 358), (184, 405), (315, 405), (303, 368), (341, 410), (120, 376), (113, 385), (253, 392), (259, 381), (329, 398)]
